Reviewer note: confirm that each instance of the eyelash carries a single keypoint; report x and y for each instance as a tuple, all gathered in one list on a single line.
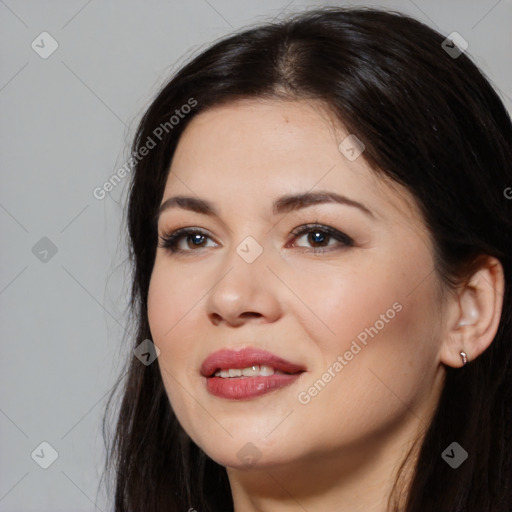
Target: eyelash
[(170, 241)]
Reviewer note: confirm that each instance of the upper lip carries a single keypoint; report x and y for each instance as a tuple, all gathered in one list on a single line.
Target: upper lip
[(226, 358)]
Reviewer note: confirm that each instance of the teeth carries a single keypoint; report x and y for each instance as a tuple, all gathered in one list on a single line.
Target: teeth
[(266, 371), (250, 371)]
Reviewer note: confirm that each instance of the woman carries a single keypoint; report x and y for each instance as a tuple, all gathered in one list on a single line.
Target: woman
[(320, 236)]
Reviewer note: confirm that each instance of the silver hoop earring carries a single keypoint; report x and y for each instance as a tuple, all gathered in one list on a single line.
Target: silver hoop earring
[(464, 358)]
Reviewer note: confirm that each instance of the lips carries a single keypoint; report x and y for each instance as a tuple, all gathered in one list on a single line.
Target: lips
[(247, 387), (229, 359)]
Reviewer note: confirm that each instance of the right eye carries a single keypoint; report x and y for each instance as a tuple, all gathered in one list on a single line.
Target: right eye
[(171, 241)]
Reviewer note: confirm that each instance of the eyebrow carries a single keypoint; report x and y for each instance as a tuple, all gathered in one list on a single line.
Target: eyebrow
[(281, 205)]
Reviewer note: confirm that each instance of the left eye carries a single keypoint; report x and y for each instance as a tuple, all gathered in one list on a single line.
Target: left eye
[(317, 235)]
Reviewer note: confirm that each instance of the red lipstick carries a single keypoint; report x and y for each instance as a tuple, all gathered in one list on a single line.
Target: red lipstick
[(247, 387)]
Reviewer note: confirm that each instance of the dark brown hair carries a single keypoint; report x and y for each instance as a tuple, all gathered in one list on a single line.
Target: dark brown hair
[(430, 122)]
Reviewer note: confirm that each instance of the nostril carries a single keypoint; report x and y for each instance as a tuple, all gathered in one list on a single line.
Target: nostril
[(250, 314)]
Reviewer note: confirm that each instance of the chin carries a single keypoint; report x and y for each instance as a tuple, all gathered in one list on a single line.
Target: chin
[(248, 450)]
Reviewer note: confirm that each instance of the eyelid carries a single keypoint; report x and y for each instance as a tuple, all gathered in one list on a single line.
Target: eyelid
[(332, 232), (174, 236), (170, 241)]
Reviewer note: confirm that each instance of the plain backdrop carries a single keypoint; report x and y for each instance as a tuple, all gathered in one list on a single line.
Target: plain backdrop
[(66, 123)]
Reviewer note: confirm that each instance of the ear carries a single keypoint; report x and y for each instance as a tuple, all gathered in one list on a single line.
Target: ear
[(474, 314)]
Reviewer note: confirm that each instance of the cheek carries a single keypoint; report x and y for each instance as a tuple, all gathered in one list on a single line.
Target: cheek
[(379, 324), (342, 303), (377, 298), (170, 314), (383, 354), (166, 313), (171, 299), (157, 305), (176, 313)]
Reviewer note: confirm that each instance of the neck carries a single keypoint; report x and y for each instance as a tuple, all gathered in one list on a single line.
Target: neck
[(353, 479)]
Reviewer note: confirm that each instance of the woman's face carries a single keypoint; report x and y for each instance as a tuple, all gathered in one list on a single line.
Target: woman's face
[(352, 302)]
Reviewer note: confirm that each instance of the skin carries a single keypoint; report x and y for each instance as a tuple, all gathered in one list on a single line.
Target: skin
[(341, 450)]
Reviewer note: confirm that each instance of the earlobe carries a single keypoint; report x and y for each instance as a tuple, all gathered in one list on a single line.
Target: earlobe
[(476, 315)]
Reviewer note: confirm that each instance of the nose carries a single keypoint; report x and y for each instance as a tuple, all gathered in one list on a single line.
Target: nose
[(245, 292)]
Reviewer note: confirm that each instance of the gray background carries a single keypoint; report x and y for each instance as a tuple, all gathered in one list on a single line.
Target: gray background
[(66, 122)]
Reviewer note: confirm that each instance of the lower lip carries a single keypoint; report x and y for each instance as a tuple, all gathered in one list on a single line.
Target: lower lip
[(243, 388)]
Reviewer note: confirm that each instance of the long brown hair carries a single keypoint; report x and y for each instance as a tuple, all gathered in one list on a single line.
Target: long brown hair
[(431, 122)]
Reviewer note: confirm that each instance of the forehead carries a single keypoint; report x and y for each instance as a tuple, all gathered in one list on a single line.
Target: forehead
[(260, 131), (263, 148)]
